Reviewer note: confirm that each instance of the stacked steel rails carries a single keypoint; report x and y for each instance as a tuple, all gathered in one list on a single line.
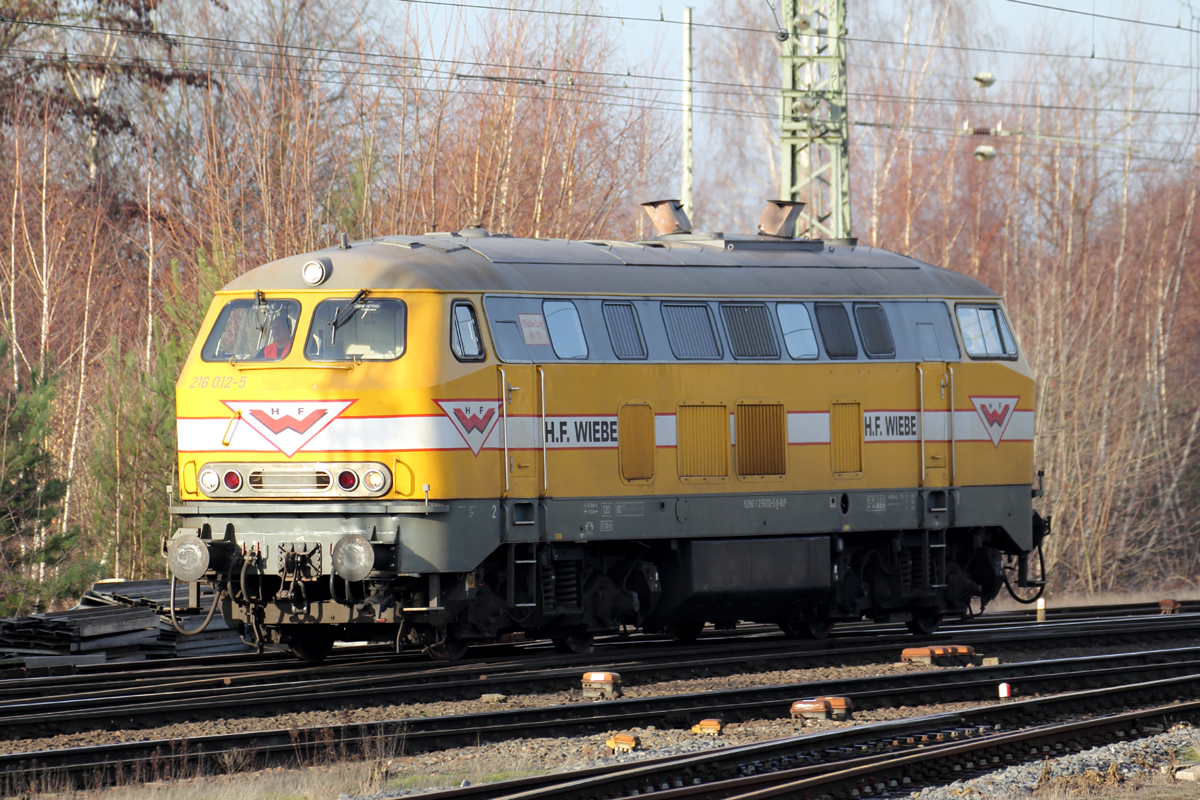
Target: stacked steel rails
[(1172, 673)]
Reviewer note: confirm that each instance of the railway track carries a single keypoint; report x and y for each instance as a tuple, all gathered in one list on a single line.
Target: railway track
[(881, 759), (38, 707), (1171, 674)]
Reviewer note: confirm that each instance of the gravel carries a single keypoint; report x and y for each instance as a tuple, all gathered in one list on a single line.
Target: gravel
[(1096, 767), (188, 729), (410, 774)]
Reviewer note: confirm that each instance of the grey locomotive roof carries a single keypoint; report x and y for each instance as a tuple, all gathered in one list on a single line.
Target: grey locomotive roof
[(689, 265)]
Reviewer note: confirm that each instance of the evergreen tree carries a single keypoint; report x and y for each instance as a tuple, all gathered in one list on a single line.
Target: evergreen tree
[(36, 569)]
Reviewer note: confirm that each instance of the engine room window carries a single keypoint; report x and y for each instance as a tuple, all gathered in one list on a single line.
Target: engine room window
[(985, 332), (624, 331), (357, 329), (253, 330), (464, 332), (875, 332), (690, 330), (749, 329), (798, 335), (566, 331), (836, 330)]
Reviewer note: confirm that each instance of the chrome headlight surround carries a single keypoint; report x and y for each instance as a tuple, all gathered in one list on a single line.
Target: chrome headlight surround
[(314, 273)]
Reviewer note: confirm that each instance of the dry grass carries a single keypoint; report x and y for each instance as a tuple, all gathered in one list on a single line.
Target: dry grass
[(1096, 786), (311, 783), (1070, 599)]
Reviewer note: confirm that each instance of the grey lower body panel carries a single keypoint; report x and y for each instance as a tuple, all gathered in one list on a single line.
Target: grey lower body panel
[(782, 513), (459, 535)]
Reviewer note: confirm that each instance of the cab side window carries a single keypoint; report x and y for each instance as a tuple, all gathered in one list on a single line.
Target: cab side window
[(798, 334), (465, 341), (985, 332), (566, 331)]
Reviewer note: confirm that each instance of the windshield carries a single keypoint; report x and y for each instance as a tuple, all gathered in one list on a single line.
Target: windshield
[(360, 328), (253, 330)]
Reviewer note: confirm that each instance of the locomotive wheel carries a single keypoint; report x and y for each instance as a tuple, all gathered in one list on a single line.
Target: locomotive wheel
[(312, 646), (447, 650), (925, 622), (806, 628), (576, 643), (685, 631)]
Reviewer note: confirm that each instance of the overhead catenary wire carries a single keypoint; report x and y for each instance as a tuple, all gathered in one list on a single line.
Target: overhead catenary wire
[(707, 110), (241, 44), (229, 70), (361, 59)]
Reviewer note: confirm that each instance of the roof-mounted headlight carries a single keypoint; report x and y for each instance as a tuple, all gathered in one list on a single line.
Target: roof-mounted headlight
[(314, 273)]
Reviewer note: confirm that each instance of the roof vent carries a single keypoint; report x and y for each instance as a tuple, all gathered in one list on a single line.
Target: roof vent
[(668, 216), (473, 233), (779, 218)]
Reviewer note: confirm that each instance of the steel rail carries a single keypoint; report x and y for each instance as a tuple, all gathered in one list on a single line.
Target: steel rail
[(122, 760), (735, 771), (219, 668), (207, 698)]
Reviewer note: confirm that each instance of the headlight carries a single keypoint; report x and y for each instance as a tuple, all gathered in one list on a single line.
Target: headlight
[(313, 273), (188, 558), (373, 479), (353, 557), (209, 481)]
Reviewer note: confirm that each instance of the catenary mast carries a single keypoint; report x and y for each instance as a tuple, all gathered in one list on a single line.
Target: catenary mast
[(814, 127)]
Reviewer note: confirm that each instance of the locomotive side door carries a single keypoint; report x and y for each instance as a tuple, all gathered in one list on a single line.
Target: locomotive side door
[(935, 422), (521, 429)]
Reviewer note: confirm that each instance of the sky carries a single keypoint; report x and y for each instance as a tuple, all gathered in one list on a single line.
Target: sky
[(1168, 32)]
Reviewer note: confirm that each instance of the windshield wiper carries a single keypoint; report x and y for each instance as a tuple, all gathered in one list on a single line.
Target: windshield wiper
[(344, 314), (261, 317)]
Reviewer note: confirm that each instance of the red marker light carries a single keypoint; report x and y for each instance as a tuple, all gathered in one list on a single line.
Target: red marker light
[(348, 479), (233, 480)]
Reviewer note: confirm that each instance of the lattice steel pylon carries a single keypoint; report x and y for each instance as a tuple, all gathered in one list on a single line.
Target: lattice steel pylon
[(814, 126)]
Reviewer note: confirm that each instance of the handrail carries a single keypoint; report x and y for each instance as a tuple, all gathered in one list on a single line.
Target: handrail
[(227, 439), (545, 473), (921, 426), (504, 407), (953, 460)]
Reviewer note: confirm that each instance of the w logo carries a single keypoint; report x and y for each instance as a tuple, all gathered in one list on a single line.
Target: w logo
[(993, 417), (289, 425), (288, 422), (475, 420), (995, 413)]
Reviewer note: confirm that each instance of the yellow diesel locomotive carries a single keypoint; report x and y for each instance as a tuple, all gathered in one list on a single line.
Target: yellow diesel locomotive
[(437, 440)]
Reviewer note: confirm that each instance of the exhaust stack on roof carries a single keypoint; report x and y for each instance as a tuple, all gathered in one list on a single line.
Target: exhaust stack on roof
[(779, 218), (668, 217)]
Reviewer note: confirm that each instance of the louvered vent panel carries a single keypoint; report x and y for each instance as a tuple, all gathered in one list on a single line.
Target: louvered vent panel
[(690, 331), (635, 442), (761, 440), (702, 435), (623, 330), (750, 331), (845, 437)]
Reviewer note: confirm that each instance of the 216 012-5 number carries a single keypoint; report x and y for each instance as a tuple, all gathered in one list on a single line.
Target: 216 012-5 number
[(217, 382)]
